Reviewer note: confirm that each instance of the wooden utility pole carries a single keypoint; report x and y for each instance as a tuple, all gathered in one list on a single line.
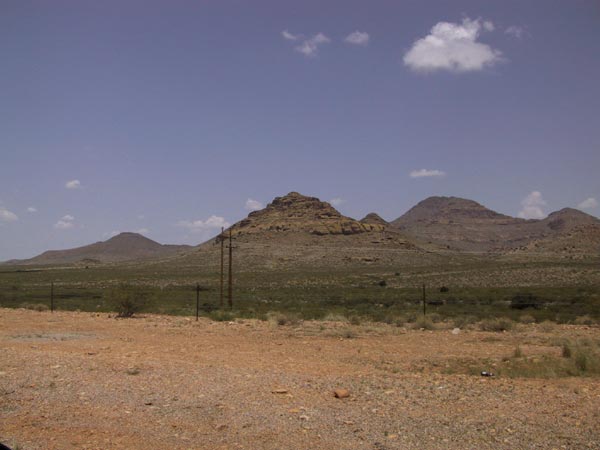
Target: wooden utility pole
[(197, 301), (230, 286), (424, 301), (51, 297), (222, 238)]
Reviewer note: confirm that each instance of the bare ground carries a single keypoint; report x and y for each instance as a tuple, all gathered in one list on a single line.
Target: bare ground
[(80, 380)]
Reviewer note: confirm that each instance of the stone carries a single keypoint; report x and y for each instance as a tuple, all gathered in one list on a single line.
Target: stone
[(341, 393)]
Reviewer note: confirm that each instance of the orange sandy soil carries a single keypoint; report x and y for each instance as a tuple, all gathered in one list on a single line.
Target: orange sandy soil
[(81, 380)]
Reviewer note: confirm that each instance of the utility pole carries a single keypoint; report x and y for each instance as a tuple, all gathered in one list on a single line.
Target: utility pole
[(230, 286), (424, 301), (222, 238)]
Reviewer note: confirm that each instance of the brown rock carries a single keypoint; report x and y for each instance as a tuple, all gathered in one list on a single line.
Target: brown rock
[(341, 393)]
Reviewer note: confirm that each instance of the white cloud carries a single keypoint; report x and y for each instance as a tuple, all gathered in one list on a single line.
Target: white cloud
[(310, 46), (453, 47), (73, 184), (63, 225), (142, 231), (289, 36), (515, 31), (532, 206), (213, 223), (427, 173), (588, 203), (65, 222), (253, 205), (357, 38), (7, 216), (32, 209), (337, 201)]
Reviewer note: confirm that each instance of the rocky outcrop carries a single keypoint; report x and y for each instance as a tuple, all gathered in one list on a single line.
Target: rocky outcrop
[(295, 212)]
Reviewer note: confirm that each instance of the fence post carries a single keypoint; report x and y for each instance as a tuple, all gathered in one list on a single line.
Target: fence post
[(197, 300)]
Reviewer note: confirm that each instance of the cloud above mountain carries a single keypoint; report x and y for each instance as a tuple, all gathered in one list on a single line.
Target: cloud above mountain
[(532, 206), (453, 47)]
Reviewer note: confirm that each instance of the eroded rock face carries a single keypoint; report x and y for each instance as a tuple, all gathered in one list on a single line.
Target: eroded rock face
[(299, 213)]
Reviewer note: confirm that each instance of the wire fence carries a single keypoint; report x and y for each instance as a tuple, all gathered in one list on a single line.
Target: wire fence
[(378, 303)]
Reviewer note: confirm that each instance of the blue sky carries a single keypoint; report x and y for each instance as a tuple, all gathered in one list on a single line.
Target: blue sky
[(167, 117)]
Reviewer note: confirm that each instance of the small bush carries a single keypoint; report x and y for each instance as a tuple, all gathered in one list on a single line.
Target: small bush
[(382, 283), (523, 301), (435, 317), (518, 353), (221, 316), (463, 321), (355, 320), (498, 325), (344, 333), (128, 300), (425, 323), (280, 319), (35, 306), (584, 320), (566, 351), (444, 289), (333, 317), (547, 326), (527, 319)]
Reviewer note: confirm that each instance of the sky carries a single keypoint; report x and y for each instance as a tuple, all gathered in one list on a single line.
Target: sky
[(175, 118)]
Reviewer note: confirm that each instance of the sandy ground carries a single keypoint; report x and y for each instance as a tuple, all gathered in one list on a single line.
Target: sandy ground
[(80, 380)]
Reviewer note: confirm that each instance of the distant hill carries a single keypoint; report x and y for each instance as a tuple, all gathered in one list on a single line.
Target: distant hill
[(123, 247), (466, 225)]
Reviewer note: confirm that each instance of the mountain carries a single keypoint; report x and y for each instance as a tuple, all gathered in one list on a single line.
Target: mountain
[(297, 231), (123, 247), (466, 225), (297, 213), (374, 219)]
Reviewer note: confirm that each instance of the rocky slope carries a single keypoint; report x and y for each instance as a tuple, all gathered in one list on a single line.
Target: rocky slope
[(123, 247)]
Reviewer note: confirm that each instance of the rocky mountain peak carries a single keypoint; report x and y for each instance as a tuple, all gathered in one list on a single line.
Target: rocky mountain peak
[(295, 212), (374, 219)]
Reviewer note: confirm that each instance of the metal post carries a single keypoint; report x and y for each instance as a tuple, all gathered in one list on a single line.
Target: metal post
[(424, 301), (51, 297), (230, 287), (222, 265), (197, 300)]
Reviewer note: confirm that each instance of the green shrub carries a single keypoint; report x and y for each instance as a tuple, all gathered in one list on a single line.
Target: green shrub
[(463, 321), (425, 323), (35, 306), (584, 320), (527, 319), (220, 315), (280, 319), (498, 325), (127, 300), (547, 326)]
